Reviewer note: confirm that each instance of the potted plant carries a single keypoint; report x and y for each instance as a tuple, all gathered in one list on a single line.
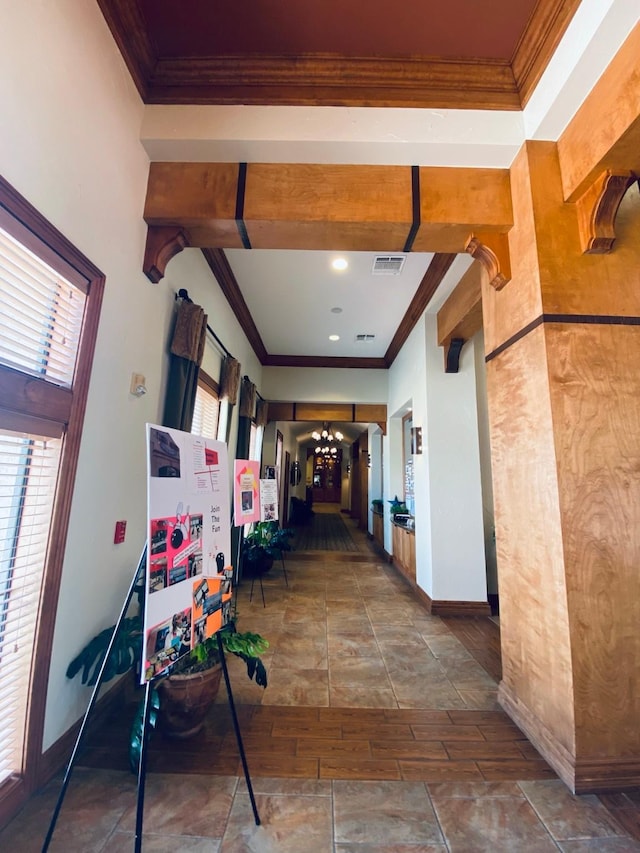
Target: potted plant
[(199, 670), (192, 683), (397, 506), (264, 543), (377, 505)]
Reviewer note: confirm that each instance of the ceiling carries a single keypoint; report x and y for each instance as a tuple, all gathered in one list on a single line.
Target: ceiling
[(487, 54), (461, 53)]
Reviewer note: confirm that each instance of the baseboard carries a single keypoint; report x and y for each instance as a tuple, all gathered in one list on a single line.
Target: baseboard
[(57, 755), (580, 775), (447, 608), (460, 608)]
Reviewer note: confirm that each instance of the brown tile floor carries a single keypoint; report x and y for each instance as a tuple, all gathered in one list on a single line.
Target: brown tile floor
[(379, 733)]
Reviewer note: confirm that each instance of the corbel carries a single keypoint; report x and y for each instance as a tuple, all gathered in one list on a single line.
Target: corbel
[(492, 250), (597, 209), (452, 355), (163, 243)]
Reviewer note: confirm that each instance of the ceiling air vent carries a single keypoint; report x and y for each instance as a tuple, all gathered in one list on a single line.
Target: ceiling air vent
[(388, 265), (364, 338)]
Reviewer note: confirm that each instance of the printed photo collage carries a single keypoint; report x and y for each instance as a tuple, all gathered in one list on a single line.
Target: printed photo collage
[(188, 579)]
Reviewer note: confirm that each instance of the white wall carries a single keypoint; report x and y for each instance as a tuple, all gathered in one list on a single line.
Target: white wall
[(449, 534), (69, 143), (455, 489), (324, 385)]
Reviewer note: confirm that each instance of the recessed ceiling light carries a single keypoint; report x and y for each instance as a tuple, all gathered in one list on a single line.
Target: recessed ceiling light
[(334, 337), (339, 264), (336, 310)]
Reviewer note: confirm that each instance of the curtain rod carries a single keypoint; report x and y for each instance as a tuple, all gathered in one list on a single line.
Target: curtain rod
[(184, 294)]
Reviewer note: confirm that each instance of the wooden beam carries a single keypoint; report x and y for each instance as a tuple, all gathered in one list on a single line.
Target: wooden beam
[(328, 207), (341, 412), (461, 314), (605, 132)]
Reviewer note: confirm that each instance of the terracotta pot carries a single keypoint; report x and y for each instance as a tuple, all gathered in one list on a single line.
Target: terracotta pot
[(185, 700)]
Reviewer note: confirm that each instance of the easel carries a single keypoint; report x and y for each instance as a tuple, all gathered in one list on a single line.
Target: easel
[(142, 765)]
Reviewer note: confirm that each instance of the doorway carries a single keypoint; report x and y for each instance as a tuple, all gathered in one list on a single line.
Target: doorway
[(327, 477)]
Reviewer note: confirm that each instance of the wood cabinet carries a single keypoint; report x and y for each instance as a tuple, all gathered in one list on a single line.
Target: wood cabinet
[(404, 551)]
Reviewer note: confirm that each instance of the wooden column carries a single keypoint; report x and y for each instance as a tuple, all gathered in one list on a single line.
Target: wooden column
[(563, 348)]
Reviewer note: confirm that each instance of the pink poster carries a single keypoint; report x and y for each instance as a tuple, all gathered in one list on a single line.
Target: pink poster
[(246, 491)]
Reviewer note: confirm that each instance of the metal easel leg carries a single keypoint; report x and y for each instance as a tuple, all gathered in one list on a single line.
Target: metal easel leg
[(92, 702), (142, 766), (236, 727)]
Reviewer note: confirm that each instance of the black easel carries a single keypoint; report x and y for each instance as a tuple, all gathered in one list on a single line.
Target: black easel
[(142, 765)]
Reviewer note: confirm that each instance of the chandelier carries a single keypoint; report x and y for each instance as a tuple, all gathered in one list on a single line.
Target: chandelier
[(326, 441)]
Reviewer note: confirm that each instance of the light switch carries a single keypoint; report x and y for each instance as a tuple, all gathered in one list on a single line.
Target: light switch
[(138, 385)]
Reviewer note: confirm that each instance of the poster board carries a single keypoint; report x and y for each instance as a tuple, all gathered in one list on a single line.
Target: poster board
[(188, 575), (246, 491)]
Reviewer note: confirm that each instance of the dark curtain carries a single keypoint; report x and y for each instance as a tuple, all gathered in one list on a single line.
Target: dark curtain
[(262, 412), (230, 379), (247, 398), (186, 351)]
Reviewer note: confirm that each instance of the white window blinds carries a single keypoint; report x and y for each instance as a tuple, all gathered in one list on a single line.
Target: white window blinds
[(28, 474), (40, 315), (205, 413)]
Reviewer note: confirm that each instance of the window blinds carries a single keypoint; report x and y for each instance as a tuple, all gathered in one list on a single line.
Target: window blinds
[(205, 413), (41, 315)]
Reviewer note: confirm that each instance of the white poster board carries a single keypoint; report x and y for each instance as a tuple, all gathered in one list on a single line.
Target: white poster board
[(189, 545)]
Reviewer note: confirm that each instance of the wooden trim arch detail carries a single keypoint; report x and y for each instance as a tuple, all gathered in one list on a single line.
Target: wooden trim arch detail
[(597, 209), (164, 242), (492, 251)]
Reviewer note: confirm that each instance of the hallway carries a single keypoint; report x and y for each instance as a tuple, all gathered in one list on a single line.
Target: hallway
[(379, 732)]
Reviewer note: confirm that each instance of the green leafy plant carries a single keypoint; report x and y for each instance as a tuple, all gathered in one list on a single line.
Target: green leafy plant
[(126, 652), (266, 540), (397, 506), (247, 646)]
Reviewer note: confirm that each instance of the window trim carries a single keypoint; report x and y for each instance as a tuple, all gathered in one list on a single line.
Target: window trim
[(70, 406)]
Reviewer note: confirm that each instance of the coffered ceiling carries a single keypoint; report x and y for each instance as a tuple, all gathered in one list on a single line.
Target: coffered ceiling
[(429, 55)]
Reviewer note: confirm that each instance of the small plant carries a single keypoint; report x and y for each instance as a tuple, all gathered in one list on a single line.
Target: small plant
[(247, 646), (377, 505), (266, 541), (398, 506)]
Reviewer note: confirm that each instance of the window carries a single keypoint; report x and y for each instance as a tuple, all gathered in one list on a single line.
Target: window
[(50, 299), (207, 408)]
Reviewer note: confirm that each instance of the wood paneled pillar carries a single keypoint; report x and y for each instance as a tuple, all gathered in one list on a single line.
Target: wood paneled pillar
[(562, 344)]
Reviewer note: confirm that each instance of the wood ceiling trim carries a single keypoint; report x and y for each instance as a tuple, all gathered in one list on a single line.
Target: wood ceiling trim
[(129, 30), (341, 412), (537, 44), (219, 266), (436, 271), (331, 80), (324, 80), (345, 362)]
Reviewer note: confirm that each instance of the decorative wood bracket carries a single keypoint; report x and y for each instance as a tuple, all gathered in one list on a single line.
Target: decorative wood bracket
[(452, 355), (492, 250), (597, 209), (163, 243)]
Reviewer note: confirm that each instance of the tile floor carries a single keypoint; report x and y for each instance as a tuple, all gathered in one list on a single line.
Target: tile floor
[(379, 733)]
